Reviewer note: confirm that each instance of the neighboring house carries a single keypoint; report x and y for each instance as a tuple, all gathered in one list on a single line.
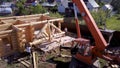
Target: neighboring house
[(61, 8), (34, 3), (58, 0), (107, 7), (7, 3), (92, 5), (50, 1), (5, 9), (30, 1), (106, 1), (50, 6), (46, 4)]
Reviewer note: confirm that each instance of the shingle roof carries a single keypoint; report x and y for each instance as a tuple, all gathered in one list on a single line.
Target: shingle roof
[(93, 3)]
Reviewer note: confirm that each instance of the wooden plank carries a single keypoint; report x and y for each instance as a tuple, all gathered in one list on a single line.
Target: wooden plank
[(68, 56), (34, 60), (24, 63)]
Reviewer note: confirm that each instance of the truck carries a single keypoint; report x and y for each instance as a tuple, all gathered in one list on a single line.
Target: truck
[(82, 50)]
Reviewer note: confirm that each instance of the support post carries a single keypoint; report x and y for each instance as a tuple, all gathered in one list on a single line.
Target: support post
[(59, 25)]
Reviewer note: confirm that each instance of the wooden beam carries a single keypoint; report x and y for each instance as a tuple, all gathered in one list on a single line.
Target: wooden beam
[(18, 17), (36, 42), (56, 27), (43, 29), (59, 25), (59, 34), (4, 35), (15, 28), (34, 59), (5, 32), (49, 32), (4, 27), (35, 23), (66, 56), (24, 63)]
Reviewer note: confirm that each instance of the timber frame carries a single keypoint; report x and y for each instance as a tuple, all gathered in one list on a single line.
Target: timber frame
[(16, 31)]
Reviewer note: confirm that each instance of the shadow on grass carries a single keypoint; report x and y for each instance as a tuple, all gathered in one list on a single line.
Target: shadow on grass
[(59, 64)]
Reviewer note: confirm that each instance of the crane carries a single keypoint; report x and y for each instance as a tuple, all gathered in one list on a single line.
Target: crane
[(83, 51)]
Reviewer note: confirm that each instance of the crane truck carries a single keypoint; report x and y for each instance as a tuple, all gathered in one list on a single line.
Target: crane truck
[(83, 50)]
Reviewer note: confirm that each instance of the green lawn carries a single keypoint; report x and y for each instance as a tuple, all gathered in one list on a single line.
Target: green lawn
[(114, 23)]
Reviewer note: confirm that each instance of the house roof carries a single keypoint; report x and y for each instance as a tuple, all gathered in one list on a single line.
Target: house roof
[(93, 3), (106, 1), (5, 9), (108, 6), (48, 4)]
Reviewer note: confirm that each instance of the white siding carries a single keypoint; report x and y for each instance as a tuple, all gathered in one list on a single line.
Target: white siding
[(61, 8)]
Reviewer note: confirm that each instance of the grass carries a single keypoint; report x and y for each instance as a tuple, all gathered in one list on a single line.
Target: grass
[(57, 15), (102, 62), (114, 23)]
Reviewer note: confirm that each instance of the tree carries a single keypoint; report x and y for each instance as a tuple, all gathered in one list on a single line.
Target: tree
[(100, 17), (21, 7), (26, 10), (37, 9)]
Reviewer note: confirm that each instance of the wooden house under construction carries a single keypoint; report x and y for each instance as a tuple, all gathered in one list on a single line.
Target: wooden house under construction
[(15, 32)]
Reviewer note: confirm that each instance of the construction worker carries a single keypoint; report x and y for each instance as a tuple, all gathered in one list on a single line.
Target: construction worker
[(28, 49)]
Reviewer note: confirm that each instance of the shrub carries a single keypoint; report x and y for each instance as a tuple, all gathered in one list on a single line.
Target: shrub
[(26, 10), (37, 9), (56, 14)]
